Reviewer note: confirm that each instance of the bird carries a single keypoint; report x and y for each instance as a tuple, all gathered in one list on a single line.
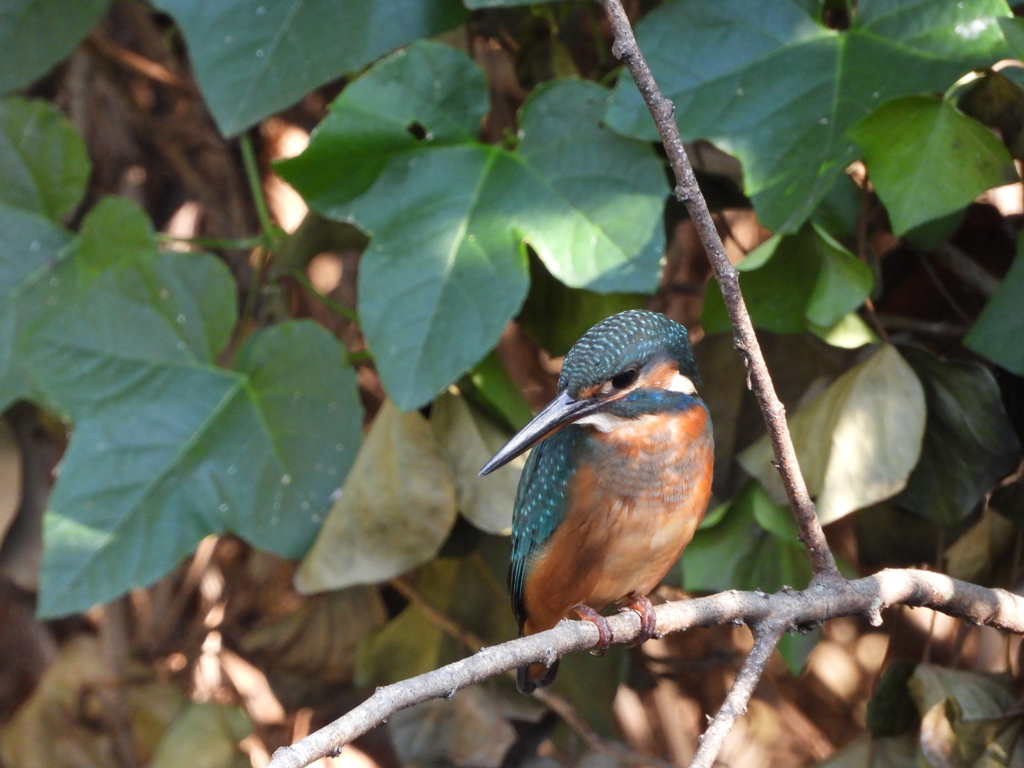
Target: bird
[(617, 481)]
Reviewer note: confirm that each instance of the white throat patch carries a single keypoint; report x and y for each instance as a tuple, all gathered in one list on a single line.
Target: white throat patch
[(606, 422), (682, 384)]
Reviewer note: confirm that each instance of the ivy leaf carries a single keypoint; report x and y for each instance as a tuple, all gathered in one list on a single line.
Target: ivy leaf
[(738, 552), (446, 268), (778, 89), (43, 160), (823, 282), (427, 87), (36, 34), (253, 58), (997, 332), (969, 444), (394, 511), (857, 442), (928, 159), (167, 447)]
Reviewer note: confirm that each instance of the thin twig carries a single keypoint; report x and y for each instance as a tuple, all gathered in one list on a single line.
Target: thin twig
[(688, 192), (766, 637), (818, 603)]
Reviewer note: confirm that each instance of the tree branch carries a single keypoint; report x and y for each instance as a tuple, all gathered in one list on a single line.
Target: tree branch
[(687, 192), (783, 611)]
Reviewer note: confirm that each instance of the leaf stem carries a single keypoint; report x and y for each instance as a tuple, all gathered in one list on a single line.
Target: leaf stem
[(271, 232), (335, 306)]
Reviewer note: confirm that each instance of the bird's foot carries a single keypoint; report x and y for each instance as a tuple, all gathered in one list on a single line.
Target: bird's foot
[(648, 619), (604, 632)]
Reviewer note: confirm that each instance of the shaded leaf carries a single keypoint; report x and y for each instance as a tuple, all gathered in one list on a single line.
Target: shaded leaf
[(394, 511), (778, 89), (468, 440), (490, 387), (857, 441), (866, 752), (891, 711), (927, 159), (796, 647), (468, 730), (36, 34), (969, 443), (739, 553), (43, 160), (204, 736), (792, 281), (974, 555), (318, 640), (253, 58), (10, 477), (997, 332)]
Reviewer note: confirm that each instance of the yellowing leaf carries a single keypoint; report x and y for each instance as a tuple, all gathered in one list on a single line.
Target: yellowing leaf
[(469, 439), (857, 441), (10, 477), (395, 510)]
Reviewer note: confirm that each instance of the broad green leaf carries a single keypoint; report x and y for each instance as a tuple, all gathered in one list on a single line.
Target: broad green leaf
[(167, 448), (891, 711), (866, 752), (979, 695), (468, 440), (792, 282), (167, 451), (489, 385), (849, 332), (795, 648), (927, 159), (998, 331), (393, 513), (740, 553), (446, 268), (969, 443), (253, 58), (778, 89), (981, 549), (43, 161), (36, 34), (856, 442), (427, 87)]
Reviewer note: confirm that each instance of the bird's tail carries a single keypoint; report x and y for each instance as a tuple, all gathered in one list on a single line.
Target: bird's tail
[(534, 676)]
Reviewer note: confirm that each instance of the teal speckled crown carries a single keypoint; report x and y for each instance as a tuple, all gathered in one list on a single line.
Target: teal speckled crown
[(623, 340)]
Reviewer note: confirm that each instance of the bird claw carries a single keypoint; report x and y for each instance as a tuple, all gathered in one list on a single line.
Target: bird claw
[(604, 632), (648, 620)]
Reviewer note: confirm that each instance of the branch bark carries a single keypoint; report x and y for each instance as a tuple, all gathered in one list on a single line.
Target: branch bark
[(784, 611), (688, 192)]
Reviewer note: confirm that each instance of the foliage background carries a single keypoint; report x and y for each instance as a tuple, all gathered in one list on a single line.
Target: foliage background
[(276, 280)]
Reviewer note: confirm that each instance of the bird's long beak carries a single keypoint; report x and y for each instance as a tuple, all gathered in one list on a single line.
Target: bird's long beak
[(559, 412)]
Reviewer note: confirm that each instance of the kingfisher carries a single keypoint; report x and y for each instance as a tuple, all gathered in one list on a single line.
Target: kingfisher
[(616, 484)]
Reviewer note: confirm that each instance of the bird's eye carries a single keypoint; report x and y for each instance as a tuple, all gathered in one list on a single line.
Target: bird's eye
[(624, 379)]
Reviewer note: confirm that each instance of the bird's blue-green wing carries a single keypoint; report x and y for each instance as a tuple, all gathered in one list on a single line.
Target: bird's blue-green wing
[(541, 503)]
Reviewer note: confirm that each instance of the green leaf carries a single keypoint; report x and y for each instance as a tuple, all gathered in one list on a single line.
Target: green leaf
[(205, 736), (969, 443), (795, 648), (792, 282), (927, 159), (427, 87), (167, 448), (866, 752), (739, 553), (393, 513), (254, 58), (489, 385), (36, 34), (999, 328), (856, 442), (891, 711), (468, 439), (777, 89), (43, 160), (446, 268)]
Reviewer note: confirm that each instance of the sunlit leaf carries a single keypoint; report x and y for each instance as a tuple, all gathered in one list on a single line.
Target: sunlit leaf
[(253, 58), (857, 441), (927, 159), (969, 443), (772, 85), (36, 34), (393, 513), (43, 160), (468, 440), (997, 332)]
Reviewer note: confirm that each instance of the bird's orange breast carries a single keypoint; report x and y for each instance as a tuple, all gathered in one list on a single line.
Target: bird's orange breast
[(635, 501)]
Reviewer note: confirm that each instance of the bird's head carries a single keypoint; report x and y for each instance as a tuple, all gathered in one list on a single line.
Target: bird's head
[(619, 370)]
